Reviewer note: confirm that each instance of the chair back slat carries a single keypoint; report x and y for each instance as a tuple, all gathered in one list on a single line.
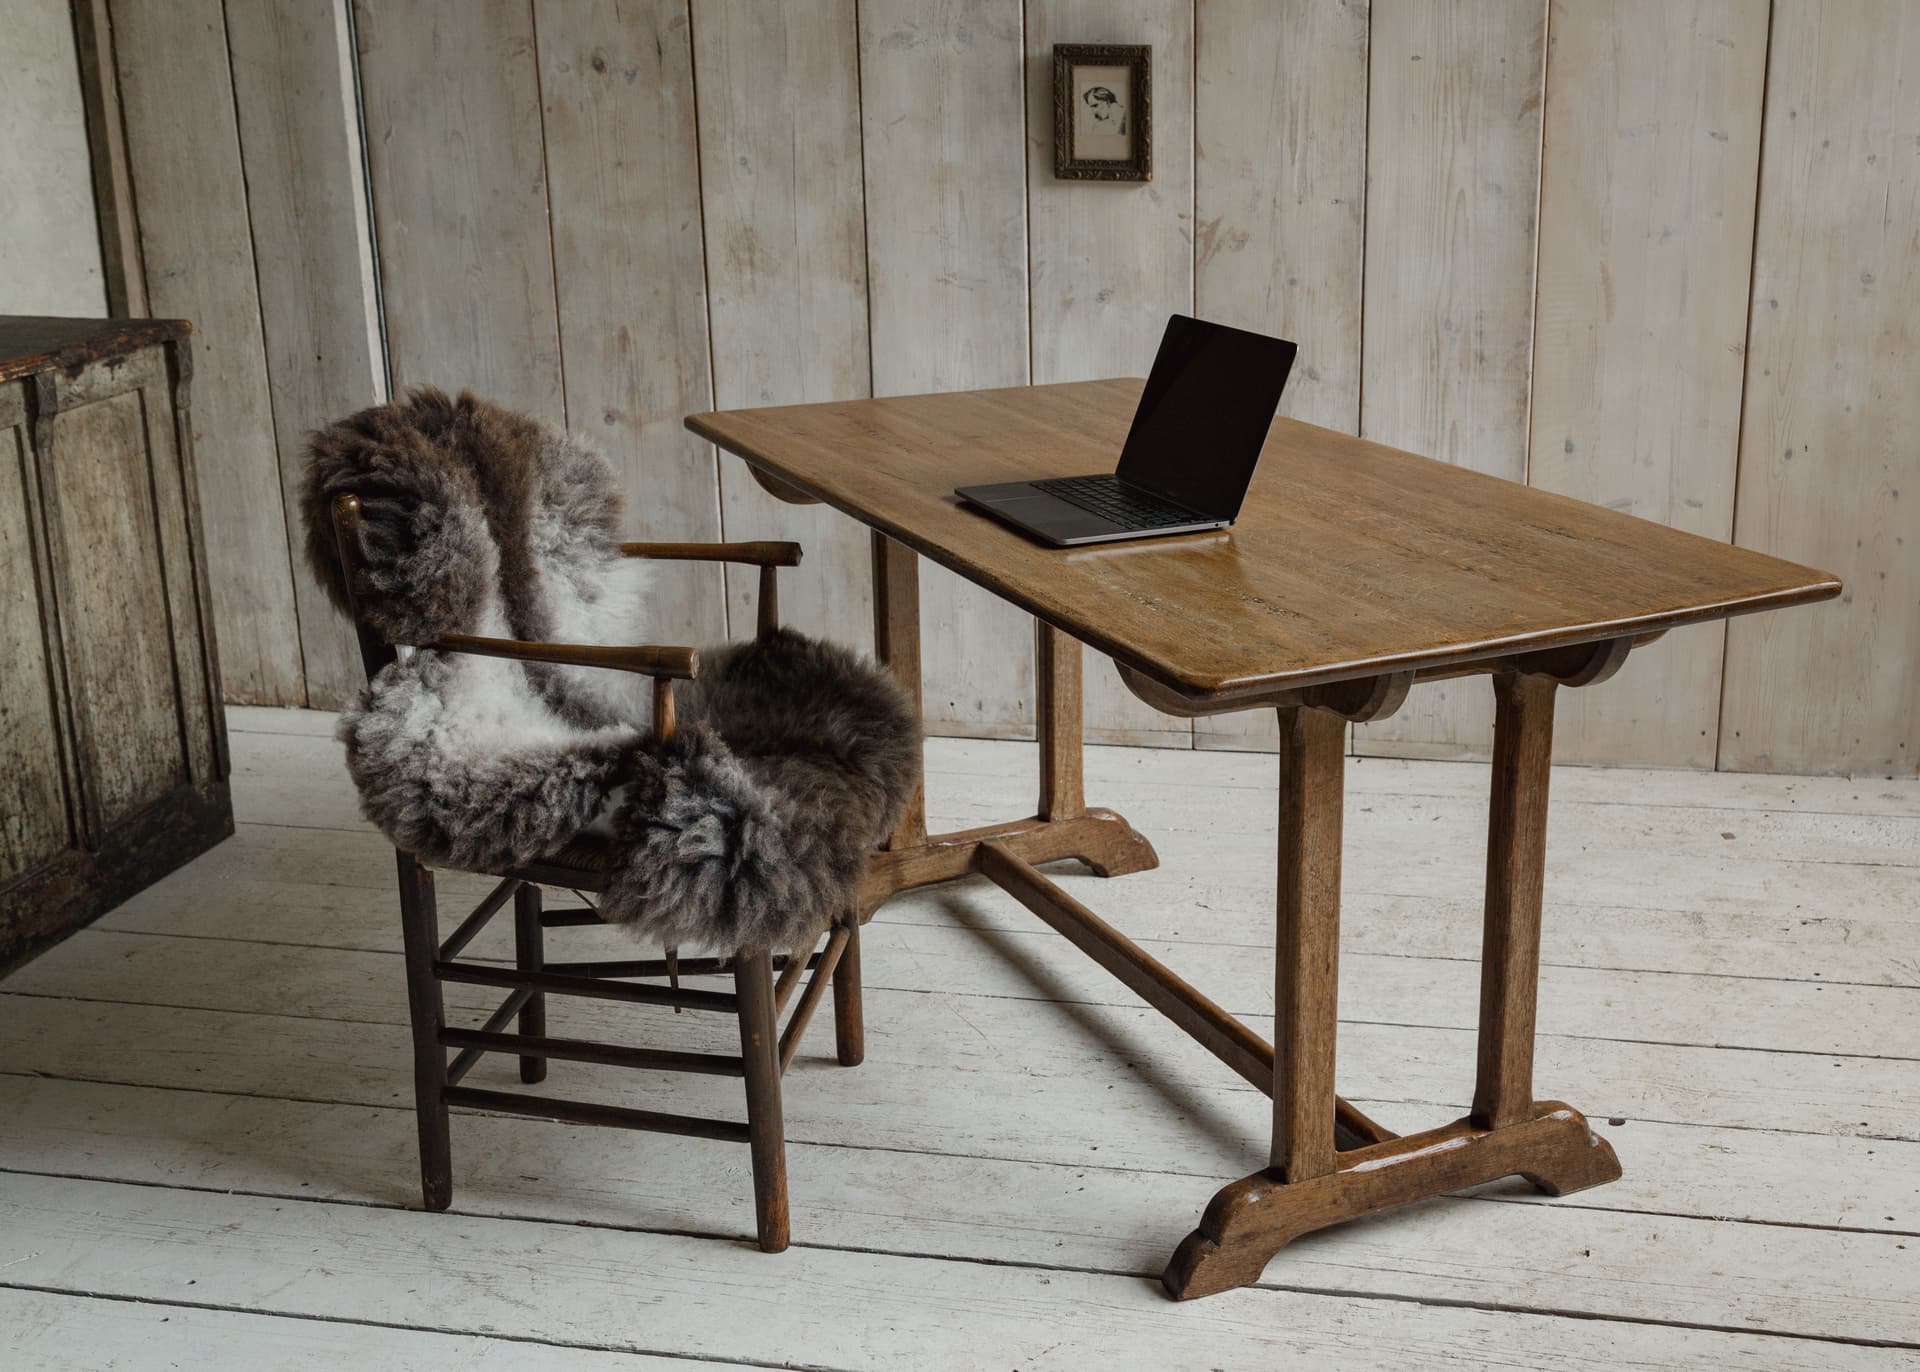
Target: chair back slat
[(375, 651)]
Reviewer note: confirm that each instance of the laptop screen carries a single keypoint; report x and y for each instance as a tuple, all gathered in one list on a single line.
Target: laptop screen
[(1204, 414)]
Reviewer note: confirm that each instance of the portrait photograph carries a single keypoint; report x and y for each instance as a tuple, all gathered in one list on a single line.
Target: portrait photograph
[(1101, 112)]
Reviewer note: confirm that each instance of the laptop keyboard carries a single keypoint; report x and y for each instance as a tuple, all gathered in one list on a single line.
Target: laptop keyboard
[(1106, 497)]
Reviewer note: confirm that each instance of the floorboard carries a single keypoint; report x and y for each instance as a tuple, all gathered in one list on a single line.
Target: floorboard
[(209, 1152)]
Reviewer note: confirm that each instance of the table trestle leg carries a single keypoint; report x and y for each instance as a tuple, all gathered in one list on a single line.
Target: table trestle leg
[(1057, 693), (1516, 882), (1307, 966), (896, 642), (1063, 827), (1308, 1184)]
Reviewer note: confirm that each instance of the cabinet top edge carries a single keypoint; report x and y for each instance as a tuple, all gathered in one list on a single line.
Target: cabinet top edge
[(30, 344)]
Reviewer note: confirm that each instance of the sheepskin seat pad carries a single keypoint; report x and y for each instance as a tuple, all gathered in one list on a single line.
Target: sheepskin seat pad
[(749, 827)]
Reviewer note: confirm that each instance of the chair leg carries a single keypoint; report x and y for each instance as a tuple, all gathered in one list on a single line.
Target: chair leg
[(425, 1010), (766, 1134), (849, 1031), (530, 956)]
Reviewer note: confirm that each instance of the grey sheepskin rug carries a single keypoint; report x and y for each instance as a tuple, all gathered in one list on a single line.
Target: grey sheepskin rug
[(749, 828)]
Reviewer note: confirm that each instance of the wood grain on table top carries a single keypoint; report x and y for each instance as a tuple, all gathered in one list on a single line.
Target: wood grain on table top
[(1349, 558)]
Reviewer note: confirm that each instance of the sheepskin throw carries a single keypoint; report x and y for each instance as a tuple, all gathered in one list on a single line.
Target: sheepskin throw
[(748, 828)]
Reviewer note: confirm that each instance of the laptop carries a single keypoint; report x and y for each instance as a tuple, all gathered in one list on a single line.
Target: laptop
[(1189, 456)]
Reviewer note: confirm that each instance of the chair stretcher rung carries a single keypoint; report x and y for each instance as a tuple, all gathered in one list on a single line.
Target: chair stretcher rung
[(657, 967), (571, 918), (583, 1050), (796, 1029), (564, 984), (789, 970), (477, 921), (509, 1007), (586, 1112)]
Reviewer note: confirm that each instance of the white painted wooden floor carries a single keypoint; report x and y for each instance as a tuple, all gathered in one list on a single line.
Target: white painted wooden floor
[(207, 1154)]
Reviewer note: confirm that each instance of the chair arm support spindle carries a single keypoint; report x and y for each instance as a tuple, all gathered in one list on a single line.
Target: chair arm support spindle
[(768, 601), (662, 708)]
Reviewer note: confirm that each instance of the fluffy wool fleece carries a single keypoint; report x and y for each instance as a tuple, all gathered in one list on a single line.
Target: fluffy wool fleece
[(749, 828)]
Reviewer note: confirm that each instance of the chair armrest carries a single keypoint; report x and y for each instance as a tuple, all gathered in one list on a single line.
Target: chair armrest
[(765, 554), (646, 660)]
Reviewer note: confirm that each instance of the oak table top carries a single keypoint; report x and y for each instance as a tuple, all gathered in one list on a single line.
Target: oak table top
[(1350, 559)]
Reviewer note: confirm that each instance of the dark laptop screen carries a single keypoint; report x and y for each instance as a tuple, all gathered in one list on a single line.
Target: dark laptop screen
[(1204, 414)]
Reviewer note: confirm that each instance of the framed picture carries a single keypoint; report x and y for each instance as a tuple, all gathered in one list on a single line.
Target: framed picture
[(1102, 111)]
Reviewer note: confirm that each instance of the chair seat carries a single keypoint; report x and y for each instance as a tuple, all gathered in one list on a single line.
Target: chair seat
[(586, 864)]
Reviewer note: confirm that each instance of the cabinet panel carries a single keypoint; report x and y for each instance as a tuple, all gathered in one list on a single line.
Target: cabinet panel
[(34, 823), (113, 610)]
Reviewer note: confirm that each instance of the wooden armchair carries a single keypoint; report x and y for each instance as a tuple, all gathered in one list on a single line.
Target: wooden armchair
[(443, 1055)]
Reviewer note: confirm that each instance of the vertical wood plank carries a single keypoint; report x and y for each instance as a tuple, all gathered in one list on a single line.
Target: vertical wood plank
[(184, 151), (1280, 170), (781, 195), (616, 81), (942, 126), (1648, 177), (1280, 173), (120, 263), (300, 144), (1110, 261), (50, 256), (202, 721), (1829, 470), (1453, 177), (450, 94)]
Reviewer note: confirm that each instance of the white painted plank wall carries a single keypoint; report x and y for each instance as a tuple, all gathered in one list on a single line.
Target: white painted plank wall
[(755, 204), (1453, 180), (623, 167), (1652, 151), (943, 136), (49, 243), (779, 118), (183, 146), (450, 96), (313, 257), (1109, 261), (1829, 465), (1280, 184)]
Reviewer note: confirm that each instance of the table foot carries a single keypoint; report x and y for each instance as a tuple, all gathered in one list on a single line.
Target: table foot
[(1111, 846), (1099, 838), (1250, 1220)]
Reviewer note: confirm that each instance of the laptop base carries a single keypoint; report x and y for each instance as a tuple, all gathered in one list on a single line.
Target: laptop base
[(1060, 523)]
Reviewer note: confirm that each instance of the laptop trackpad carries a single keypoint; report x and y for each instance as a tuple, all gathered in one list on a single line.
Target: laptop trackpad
[(1061, 519)]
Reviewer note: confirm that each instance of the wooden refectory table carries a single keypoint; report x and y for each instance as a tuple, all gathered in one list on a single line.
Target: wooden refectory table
[(1354, 571)]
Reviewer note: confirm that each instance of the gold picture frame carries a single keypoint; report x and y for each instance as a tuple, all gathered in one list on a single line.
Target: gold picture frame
[(1103, 111)]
